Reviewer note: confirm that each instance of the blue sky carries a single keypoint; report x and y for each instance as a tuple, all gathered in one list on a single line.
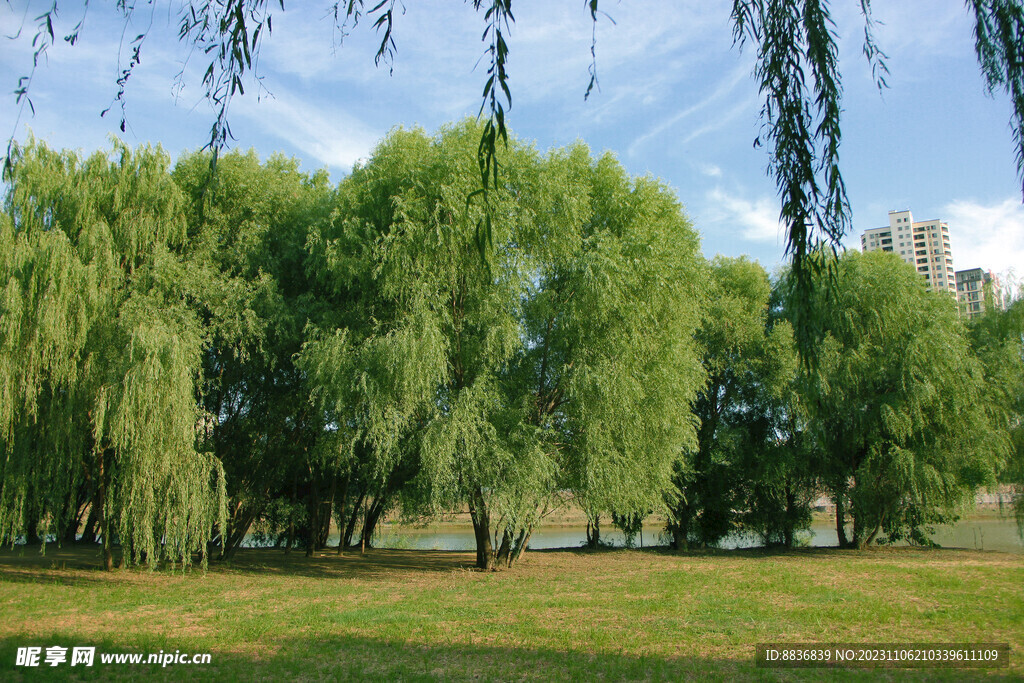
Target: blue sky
[(676, 100)]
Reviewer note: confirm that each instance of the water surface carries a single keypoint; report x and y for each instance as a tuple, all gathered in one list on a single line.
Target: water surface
[(982, 533)]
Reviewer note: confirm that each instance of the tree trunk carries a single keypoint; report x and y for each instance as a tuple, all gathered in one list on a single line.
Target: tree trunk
[(291, 515), (314, 515), (504, 550), (373, 516), (593, 531), (350, 528), (101, 514), (74, 517), (858, 524), (871, 537), (521, 543), (839, 497), (89, 532), (868, 539), (32, 528), (679, 539), (341, 512), (326, 514), (787, 529), (680, 528), (71, 533), (362, 536), (233, 541), (481, 529)]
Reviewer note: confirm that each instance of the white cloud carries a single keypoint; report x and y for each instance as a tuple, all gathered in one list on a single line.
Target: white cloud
[(335, 139), (986, 236), (710, 170), (756, 220)]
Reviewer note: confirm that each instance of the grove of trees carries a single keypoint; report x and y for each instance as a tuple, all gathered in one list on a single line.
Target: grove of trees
[(189, 359)]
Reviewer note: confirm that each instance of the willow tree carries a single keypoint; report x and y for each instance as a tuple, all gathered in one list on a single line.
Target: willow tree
[(898, 403), (562, 361), (99, 357), (247, 231), (443, 323), (612, 367), (749, 363)]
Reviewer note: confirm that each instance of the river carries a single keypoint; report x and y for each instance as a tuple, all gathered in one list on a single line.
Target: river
[(980, 533)]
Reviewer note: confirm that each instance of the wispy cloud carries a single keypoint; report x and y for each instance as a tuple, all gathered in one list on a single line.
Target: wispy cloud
[(551, 47), (745, 107), (902, 33), (335, 139), (730, 83), (756, 220), (710, 170), (986, 236)]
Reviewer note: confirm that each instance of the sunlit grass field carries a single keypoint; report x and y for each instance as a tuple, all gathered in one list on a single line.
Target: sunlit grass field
[(427, 615)]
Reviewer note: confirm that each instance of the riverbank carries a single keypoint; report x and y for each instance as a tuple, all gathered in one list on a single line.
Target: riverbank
[(423, 615)]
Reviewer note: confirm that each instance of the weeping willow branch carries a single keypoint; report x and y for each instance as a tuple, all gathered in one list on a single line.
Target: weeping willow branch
[(999, 42)]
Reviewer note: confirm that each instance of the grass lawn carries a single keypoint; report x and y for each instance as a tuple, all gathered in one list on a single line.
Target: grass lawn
[(424, 615)]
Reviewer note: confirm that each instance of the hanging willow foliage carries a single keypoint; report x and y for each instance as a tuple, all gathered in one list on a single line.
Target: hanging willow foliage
[(99, 356)]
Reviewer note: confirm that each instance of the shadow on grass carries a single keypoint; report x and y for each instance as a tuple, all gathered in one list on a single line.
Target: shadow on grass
[(76, 564), (82, 565), (352, 658), (816, 552), (328, 563), (28, 564), (70, 565)]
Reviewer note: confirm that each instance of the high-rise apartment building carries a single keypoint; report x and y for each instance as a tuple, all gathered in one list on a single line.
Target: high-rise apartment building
[(924, 245), (976, 290)]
